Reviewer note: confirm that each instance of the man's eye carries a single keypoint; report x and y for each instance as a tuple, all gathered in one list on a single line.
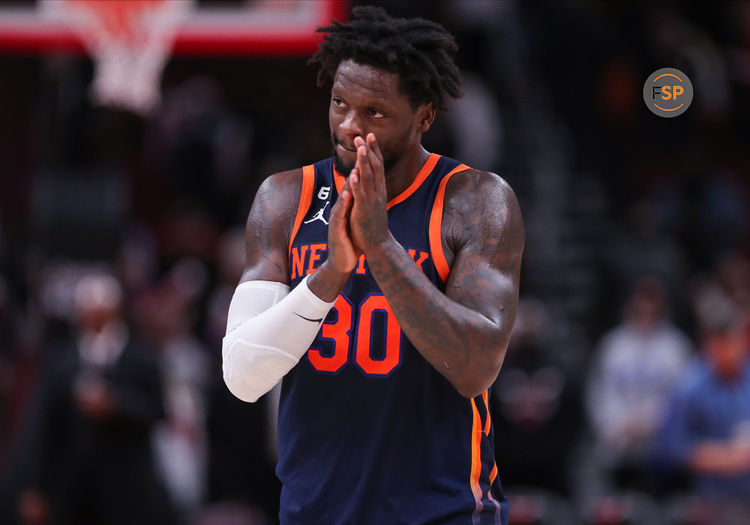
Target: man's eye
[(337, 102), (374, 113)]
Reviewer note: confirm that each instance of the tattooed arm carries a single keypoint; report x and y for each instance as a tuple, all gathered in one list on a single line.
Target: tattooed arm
[(269, 326), (269, 227), (463, 333)]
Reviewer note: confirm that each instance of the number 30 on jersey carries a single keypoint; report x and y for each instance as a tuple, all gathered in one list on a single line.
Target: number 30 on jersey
[(338, 334)]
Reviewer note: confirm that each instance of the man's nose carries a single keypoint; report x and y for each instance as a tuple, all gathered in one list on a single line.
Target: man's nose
[(351, 125)]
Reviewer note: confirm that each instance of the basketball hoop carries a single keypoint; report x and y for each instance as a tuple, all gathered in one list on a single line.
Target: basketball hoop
[(129, 41)]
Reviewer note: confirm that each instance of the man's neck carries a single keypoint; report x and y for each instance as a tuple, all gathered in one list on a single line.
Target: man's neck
[(403, 173)]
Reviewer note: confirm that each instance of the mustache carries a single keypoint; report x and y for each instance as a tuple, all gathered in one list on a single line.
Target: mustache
[(344, 169), (336, 142)]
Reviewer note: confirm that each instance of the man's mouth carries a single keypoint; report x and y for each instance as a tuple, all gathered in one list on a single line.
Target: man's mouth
[(341, 145)]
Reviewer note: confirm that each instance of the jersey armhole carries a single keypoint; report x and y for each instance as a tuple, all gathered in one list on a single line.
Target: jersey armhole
[(436, 225), (305, 198)]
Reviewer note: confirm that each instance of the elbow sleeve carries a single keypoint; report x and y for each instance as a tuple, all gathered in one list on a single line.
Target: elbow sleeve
[(269, 329)]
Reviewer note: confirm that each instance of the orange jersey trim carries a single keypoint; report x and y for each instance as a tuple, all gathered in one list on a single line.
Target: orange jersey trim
[(493, 475), (305, 198), (424, 172), (436, 224), (476, 456)]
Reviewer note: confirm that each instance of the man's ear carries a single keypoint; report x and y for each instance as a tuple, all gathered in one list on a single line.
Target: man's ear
[(425, 117)]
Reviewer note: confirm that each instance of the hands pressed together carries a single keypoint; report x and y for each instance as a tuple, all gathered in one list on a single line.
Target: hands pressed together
[(359, 219)]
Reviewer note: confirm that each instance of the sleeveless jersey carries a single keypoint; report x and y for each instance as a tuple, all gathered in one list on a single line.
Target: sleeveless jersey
[(369, 431)]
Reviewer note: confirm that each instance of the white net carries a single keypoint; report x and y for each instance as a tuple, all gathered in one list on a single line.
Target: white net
[(129, 41)]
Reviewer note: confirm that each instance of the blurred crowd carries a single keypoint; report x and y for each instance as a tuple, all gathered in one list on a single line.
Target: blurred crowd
[(625, 392)]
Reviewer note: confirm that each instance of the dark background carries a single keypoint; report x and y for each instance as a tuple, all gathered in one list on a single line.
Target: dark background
[(609, 191)]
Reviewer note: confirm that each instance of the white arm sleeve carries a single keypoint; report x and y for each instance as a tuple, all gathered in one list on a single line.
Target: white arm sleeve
[(269, 329)]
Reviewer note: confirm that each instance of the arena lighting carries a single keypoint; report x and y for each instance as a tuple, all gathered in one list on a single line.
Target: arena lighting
[(255, 28), (130, 41)]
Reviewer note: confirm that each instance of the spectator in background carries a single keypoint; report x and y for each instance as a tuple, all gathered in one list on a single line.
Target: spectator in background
[(707, 430), (180, 440), (723, 294), (84, 453), (634, 372)]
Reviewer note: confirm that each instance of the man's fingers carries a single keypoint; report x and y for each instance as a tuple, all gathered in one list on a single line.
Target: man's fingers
[(340, 209), (346, 204), (376, 162), (356, 178), (353, 179), (372, 143), (365, 168), (348, 183)]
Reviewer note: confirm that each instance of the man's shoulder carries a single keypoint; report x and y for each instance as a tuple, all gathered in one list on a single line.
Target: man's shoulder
[(469, 185), (289, 181), (280, 191), (279, 195), (477, 201), (282, 180)]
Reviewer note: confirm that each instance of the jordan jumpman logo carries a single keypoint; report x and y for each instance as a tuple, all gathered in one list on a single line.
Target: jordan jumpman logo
[(319, 215)]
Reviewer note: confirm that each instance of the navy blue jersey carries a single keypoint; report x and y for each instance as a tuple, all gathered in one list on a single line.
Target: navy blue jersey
[(369, 431)]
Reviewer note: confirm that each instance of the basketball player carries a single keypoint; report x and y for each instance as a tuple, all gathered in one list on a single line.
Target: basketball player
[(381, 285)]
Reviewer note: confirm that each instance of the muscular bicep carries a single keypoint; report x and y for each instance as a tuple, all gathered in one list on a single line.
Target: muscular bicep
[(269, 226), (484, 226)]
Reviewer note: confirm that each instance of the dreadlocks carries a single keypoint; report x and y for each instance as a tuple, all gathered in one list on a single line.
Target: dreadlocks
[(419, 51)]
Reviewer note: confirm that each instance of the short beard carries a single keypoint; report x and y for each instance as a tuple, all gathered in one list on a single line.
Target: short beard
[(339, 165)]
